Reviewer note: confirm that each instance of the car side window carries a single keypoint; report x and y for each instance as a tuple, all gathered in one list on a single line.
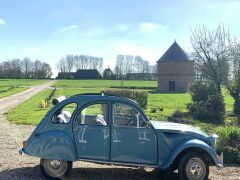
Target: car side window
[(64, 114), (94, 114), (125, 115)]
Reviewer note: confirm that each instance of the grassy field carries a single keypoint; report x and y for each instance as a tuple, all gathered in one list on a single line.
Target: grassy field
[(12, 86), (11, 91), (104, 83), (20, 82), (30, 111), (168, 102)]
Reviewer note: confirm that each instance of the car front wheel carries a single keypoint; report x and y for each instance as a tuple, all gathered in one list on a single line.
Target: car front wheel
[(55, 169), (193, 166)]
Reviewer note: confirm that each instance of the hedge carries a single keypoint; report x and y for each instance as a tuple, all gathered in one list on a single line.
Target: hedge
[(140, 96), (229, 143)]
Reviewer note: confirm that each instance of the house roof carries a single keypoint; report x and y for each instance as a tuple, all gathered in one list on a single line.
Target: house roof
[(174, 53), (87, 74)]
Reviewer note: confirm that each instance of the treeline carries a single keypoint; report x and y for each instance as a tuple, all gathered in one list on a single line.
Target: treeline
[(125, 64), (72, 63), (25, 68)]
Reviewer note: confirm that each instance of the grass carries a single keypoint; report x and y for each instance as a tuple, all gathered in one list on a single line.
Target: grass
[(13, 86), (104, 83), (12, 91), (30, 111), (20, 82)]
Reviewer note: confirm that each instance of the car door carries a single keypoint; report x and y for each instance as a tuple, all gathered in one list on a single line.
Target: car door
[(132, 139), (92, 133)]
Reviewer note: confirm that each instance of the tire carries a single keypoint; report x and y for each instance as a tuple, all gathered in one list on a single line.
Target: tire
[(55, 169), (193, 166)]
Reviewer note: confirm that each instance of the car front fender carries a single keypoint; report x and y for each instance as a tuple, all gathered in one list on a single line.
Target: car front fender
[(52, 145), (193, 143)]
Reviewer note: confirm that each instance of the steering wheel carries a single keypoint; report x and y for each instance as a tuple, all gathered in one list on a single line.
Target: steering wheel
[(131, 123)]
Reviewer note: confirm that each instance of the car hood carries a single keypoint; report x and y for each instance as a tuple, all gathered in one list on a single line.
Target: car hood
[(169, 127)]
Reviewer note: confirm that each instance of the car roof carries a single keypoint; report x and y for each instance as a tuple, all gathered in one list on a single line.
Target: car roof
[(101, 97)]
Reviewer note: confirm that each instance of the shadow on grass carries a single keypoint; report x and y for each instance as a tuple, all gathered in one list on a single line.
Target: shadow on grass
[(87, 173)]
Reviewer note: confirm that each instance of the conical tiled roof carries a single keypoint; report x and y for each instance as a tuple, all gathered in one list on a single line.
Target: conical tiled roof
[(174, 53)]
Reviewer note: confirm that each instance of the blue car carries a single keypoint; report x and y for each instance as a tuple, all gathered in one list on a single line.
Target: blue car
[(114, 130)]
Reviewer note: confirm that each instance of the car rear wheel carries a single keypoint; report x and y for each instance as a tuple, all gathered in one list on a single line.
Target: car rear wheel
[(55, 169), (193, 166)]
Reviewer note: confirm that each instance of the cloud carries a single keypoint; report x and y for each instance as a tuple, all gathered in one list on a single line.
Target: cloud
[(150, 27), (68, 28), (2, 21)]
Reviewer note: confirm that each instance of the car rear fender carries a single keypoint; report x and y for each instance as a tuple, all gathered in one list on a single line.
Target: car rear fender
[(54, 144)]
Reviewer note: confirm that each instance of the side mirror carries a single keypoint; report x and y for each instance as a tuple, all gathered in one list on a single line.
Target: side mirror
[(58, 100)]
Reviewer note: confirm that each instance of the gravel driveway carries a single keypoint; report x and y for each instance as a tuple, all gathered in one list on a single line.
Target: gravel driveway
[(15, 166)]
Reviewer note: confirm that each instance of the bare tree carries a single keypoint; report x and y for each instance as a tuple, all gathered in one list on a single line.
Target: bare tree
[(61, 65), (211, 53), (26, 67), (119, 66), (233, 83), (69, 62)]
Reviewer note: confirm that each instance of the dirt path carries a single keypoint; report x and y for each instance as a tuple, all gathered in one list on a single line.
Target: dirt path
[(15, 166)]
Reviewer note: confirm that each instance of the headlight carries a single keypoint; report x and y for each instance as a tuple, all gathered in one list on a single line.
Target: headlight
[(212, 140)]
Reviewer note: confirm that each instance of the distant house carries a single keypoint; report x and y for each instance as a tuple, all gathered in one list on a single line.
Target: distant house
[(66, 75), (81, 74), (175, 70)]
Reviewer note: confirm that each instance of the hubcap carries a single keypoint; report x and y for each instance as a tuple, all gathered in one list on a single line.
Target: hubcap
[(55, 168), (195, 169)]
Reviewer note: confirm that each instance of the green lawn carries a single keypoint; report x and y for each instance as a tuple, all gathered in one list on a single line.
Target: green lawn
[(12, 86), (11, 91), (30, 113), (20, 82), (104, 83)]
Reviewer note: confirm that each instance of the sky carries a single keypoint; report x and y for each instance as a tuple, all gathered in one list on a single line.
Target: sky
[(50, 29)]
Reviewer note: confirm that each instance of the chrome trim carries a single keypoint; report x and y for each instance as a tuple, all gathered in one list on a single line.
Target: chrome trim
[(220, 161), (118, 163)]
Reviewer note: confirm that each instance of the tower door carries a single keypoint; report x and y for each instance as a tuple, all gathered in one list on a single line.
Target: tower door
[(171, 85)]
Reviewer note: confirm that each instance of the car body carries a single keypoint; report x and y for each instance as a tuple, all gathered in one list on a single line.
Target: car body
[(126, 138)]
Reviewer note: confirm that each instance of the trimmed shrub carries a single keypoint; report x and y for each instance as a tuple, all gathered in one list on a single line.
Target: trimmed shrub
[(140, 96), (229, 143), (207, 102)]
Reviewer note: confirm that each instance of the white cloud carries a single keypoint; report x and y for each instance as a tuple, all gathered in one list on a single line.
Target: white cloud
[(149, 27), (2, 21), (68, 28)]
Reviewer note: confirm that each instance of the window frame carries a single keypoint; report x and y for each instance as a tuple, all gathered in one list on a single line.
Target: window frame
[(94, 103), (72, 115), (136, 109)]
